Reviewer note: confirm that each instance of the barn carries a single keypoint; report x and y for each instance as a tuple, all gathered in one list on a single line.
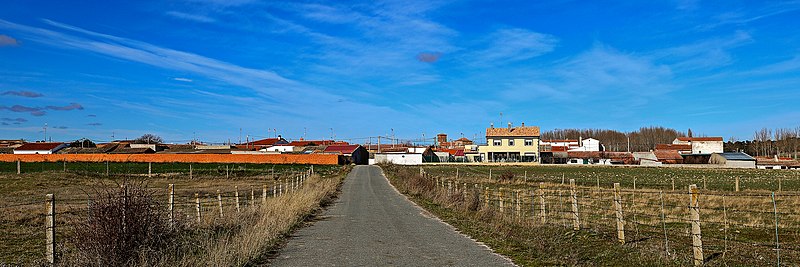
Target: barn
[(733, 160), (351, 154)]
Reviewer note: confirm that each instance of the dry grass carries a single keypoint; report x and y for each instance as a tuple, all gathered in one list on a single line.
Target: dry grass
[(22, 206), (738, 231), (263, 226)]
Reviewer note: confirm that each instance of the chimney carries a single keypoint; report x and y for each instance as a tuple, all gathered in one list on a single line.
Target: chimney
[(523, 124), (491, 125), (509, 125)]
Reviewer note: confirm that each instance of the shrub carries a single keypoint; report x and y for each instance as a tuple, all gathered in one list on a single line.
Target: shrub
[(506, 176), (125, 225)]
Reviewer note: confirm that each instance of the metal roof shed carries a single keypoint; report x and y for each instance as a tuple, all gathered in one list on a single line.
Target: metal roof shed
[(733, 160)]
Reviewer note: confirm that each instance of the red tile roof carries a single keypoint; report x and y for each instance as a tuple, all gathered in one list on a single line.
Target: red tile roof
[(343, 149), (663, 155), (673, 147), (700, 139), (38, 146)]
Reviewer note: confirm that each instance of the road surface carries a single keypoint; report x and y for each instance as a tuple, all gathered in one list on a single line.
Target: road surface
[(371, 224)]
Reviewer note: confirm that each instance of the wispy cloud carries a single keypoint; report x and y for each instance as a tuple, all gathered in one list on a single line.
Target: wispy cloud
[(514, 44), (6, 40), (41, 111), (22, 93), (95, 124), (190, 17), (708, 53), (183, 79), (265, 82), (14, 119)]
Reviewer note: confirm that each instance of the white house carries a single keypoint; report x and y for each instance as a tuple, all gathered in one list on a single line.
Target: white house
[(280, 148), (701, 145), (588, 144), (39, 148)]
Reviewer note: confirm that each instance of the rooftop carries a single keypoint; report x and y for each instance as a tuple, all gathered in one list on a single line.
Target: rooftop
[(513, 131), (38, 146)]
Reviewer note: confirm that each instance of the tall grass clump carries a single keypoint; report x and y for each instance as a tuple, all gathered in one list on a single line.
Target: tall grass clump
[(124, 225)]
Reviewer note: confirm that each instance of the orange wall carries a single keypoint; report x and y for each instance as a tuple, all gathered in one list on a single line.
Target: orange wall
[(323, 159)]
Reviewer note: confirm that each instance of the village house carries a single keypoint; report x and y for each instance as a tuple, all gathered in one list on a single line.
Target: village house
[(39, 148), (511, 144)]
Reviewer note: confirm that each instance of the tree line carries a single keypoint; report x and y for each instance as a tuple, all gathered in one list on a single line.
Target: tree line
[(643, 139), (783, 142)]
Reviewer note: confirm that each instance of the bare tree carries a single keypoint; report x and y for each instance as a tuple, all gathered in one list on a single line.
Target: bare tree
[(149, 139)]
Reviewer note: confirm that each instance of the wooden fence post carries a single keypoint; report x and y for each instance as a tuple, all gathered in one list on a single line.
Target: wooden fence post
[(486, 197), (171, 205), (19, 167), (694, 217), (236, 196), (227, 172), (490, 174), (50, 230), (456, 173), (526, 176), (519, 204), (65, 165), (252, 196), (500, 197), (149, 169), (264, 194), (576, 223), (197, 202), (449, 187), (219, 201), (106, 168), (673, 183), (620, 218), (542, 203), (737, 183)]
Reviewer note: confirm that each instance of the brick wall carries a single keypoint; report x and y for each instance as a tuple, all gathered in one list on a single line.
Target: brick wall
[(321, 159)]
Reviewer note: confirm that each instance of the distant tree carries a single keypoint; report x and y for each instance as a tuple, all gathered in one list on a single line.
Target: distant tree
[(149, 139), (83, 142), (689, 133)]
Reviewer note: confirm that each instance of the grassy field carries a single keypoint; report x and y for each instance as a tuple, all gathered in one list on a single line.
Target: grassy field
[(649, 178), (738, 228), (22, 234)]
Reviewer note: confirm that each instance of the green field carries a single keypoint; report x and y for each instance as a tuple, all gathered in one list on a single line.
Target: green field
[(649, 178)]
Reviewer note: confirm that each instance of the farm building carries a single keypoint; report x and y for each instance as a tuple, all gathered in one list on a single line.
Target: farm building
[(668, 156), (39, 148), (351, 154), (682, 149), (701, 145), (733, 160), (399, 158), (646, 158)]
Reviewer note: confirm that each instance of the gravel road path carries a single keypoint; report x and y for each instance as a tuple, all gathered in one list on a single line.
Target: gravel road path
[(371, 224)]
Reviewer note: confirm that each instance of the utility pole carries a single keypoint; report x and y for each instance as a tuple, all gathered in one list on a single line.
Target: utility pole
[(629, 141), (379, 144), (45, 132), (240, 135)]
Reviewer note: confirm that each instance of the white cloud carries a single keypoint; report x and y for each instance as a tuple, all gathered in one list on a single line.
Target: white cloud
[(190, 17), (514, 44), (183, 79)]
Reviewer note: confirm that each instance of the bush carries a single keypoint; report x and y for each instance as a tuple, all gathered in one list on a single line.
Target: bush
[(506, 176), (125, 226)]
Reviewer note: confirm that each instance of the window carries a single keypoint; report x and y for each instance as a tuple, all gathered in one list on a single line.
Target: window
[(496, 142), (528, 142), (510, 142)]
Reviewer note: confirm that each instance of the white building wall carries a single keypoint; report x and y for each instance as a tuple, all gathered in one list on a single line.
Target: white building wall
[(282, 149), (31, 152), (706, 147), (399, 158)]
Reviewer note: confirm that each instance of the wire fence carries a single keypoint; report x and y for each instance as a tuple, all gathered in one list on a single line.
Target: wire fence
[(688, 225), (33, 234)]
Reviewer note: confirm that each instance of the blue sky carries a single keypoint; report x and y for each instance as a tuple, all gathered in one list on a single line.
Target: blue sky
[(206, 68)]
